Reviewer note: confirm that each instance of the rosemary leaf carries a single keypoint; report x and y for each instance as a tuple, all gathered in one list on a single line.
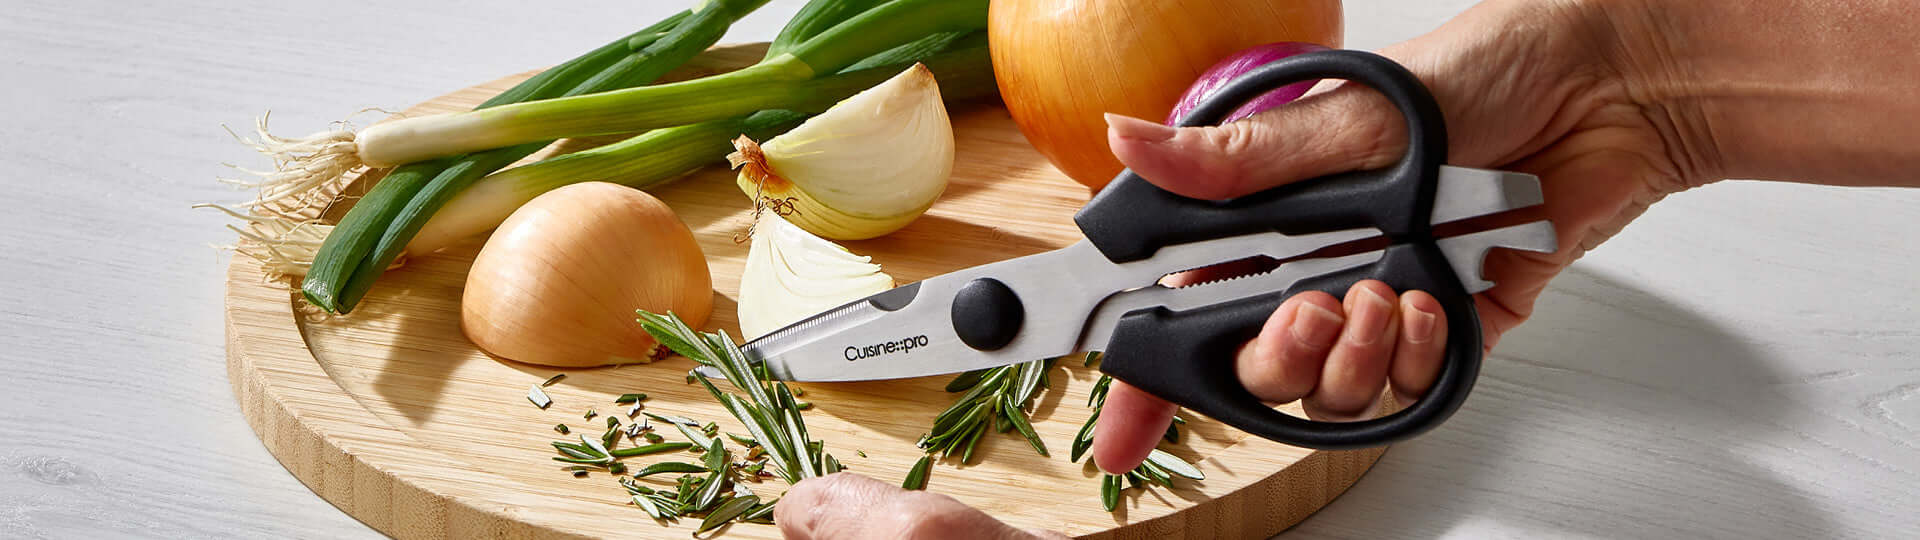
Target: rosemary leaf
[(654, 448), (562, 428), (1084, 439), (917, 476), (1110, 492), (699, 440), (1019, 421), (710, 490), (1175, 465), (726, 512), (538, 397), (575, 451), (743, 441), (967, 380), (647, 505), (598, 448), (629, 398), (670, 467), (716, 456), (762, 510)]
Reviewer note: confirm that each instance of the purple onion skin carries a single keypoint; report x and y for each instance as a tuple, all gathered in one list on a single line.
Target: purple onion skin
[(1239, 63)]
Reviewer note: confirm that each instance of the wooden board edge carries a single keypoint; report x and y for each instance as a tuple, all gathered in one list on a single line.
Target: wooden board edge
[(352, 478)]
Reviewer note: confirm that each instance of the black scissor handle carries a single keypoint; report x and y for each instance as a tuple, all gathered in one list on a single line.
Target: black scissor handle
[(1131, 218), (1187, 356)]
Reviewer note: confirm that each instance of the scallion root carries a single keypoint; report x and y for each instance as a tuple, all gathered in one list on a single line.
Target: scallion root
[(303, 166), (284, 244)]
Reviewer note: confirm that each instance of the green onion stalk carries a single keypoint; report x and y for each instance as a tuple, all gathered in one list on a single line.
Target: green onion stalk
[(639, 59), (790, 80)]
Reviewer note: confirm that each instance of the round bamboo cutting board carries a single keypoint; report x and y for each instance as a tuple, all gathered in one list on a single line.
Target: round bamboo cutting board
[(392, 415)]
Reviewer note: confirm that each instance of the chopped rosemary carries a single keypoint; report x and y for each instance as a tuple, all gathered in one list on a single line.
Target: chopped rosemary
[(917, 476), (670, 467), (652, 437), (767, 410), (562, 428), (538, 397), (762, 513), (613, 421), (654, 448), (744, 441), (554, 379), (726, 512), (629, 398), (1110, 491), (610, 437), (589, 415), (995, 398), (862, 453)]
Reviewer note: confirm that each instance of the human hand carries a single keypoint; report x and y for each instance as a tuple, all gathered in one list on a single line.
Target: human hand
[(1536, 87), (850, 506)]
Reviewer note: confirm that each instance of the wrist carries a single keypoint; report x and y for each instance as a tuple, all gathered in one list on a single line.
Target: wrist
[(1773, 90)]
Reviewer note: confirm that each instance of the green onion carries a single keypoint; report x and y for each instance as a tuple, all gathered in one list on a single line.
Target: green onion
[(639, 59)]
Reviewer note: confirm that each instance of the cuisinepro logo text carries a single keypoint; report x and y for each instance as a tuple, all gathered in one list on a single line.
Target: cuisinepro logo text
[(902, 345)]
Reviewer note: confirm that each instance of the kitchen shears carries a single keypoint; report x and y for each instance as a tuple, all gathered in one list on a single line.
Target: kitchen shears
[(1102, 293)]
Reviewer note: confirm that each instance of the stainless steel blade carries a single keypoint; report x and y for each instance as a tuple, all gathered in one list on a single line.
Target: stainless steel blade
[(1463, 193), (1468, 252)]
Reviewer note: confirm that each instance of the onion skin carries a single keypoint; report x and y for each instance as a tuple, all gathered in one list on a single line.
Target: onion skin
[(557, 284), (1238, 64), (1060, 64)]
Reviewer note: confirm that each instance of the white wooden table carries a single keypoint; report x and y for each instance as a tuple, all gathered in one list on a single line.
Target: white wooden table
[(1743, 362)]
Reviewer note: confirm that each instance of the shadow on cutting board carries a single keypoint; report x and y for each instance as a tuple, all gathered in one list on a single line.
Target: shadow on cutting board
[(1610, 413)]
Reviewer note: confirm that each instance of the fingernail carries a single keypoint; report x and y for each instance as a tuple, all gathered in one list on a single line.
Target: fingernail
[(1128, 127), (1420, 326), (1315, 326), (1370, 318)]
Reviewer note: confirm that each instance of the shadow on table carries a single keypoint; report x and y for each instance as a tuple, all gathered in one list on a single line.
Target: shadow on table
[(1609, 413)]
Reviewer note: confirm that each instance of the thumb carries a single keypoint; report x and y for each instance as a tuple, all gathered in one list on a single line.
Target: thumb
[(1348, 128), (849, 506)]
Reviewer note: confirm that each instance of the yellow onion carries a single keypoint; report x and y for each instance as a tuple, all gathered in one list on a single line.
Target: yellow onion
[(791, 275), (557, 284), (864, 168), (1062, 63)]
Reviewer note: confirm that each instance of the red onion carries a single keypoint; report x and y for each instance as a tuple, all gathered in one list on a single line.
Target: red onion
[(1237, 64)]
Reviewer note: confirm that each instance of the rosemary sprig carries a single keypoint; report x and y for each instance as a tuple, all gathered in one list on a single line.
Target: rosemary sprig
[(995, 398), (768, 411)]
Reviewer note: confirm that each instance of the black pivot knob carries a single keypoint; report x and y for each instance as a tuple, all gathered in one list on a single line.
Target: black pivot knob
[(986, 314)]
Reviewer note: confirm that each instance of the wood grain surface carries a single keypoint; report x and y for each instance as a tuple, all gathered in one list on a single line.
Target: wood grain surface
[(394, 415), (1739, 363)]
